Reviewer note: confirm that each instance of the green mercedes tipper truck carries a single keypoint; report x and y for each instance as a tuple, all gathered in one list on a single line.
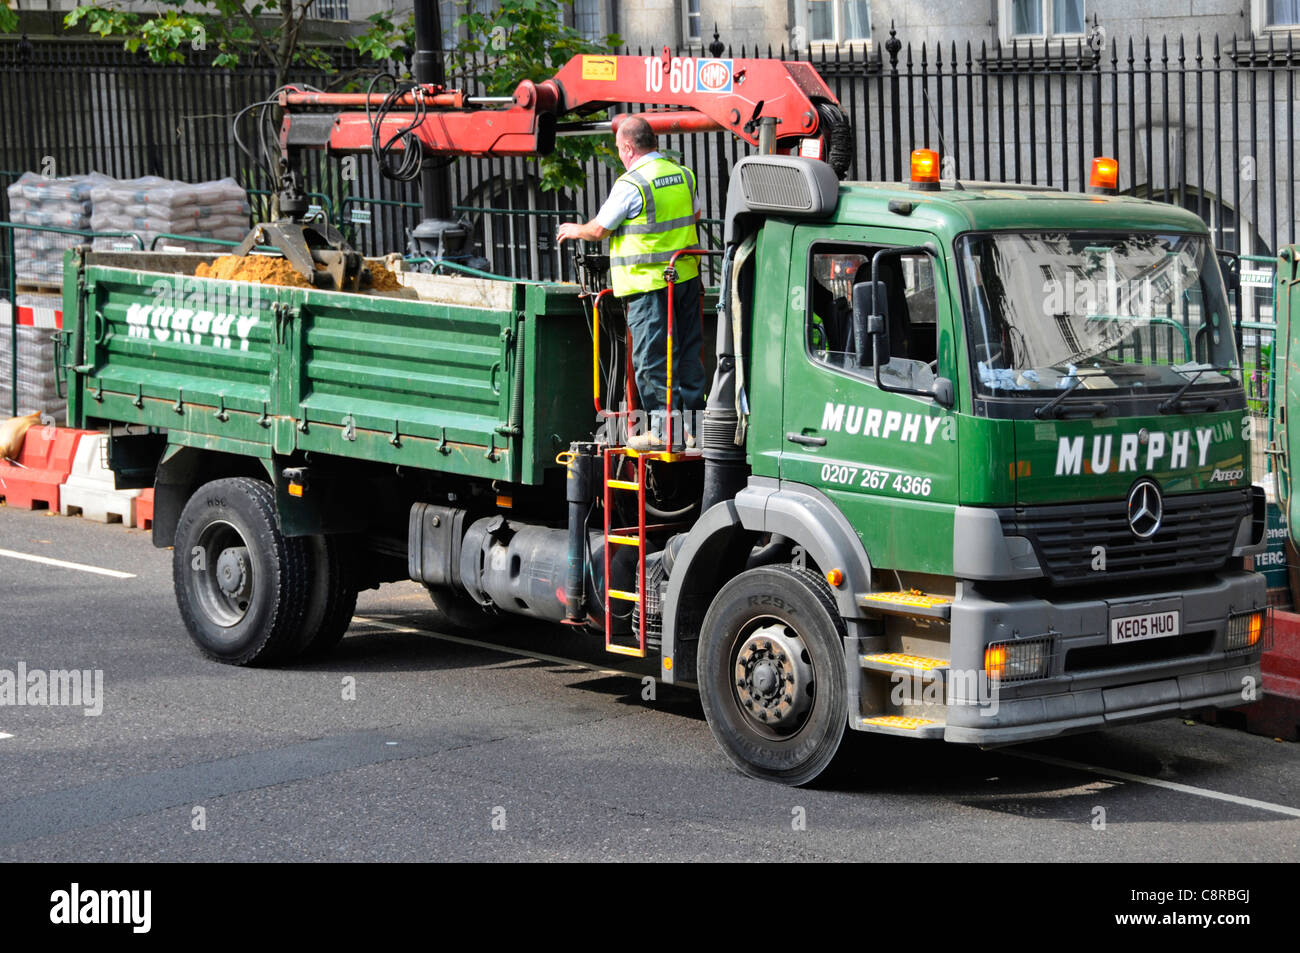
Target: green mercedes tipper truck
[(974, 464)]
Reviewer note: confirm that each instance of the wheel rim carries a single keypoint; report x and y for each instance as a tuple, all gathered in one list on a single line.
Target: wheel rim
[(774, 682), (225, 579)]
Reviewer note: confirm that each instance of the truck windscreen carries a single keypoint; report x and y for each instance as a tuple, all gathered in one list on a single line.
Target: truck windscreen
[(1101, 314)]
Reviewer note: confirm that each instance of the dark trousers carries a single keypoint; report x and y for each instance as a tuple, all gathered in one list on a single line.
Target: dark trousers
[(647, 317)]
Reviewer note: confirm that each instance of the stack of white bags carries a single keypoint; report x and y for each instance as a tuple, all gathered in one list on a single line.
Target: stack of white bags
[(152, 206), (62, 203), (38, 391)]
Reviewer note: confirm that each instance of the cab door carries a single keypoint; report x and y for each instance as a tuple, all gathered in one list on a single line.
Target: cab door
[(888, 460)]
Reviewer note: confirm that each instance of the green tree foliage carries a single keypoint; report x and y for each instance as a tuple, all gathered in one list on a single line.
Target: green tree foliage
[(236, 31)]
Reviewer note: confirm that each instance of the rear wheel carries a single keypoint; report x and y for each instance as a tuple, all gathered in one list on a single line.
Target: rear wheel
[(332, 595), (771, 674), (241, 586)]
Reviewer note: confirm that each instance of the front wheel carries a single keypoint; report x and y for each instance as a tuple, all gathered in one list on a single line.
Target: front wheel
[(771, 674)]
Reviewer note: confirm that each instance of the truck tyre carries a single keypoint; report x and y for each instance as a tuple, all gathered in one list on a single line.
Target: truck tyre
[(241, 587), (331, 596), (457, 612), (771, 674)]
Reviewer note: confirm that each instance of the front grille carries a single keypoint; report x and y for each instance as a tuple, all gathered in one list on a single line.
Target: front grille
[(1134, 653), (1196, 535)]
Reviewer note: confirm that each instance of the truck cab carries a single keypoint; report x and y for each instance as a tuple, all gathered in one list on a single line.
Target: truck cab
[(1004, 433)]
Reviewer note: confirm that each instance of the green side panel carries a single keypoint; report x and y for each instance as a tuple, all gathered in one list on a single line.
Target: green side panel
[(557, 376), (988, 455), (1060, 461), (401, 381), (176, 352), (492, 386)]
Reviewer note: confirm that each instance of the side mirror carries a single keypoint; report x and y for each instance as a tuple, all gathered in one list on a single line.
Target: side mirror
[(944, 395), (871, 323)]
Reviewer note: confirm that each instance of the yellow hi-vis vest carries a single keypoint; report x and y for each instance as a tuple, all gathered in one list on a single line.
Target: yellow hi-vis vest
[(641, 247)]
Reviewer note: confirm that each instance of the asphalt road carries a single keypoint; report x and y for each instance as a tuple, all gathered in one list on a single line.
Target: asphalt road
[(459, 751)]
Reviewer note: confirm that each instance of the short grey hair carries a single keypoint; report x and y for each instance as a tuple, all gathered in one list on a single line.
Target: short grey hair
[(637, 133)]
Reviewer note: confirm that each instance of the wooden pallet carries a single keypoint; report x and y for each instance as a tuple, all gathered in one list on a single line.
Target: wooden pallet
[(39, 288)]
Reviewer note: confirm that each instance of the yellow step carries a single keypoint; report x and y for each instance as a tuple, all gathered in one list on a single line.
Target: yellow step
[(899, 721), (889, 663), (909, 602), (623, 485), (624, 540), (631, 650), (625, 596)]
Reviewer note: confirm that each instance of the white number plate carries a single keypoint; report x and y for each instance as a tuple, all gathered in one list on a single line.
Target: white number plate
[(1152, 625)]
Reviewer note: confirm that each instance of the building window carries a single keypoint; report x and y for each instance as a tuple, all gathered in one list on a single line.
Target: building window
[(330, 10), (691, 22), (449, 12), (1276, 15), (1040, 19), (587, 19), (838, 21)]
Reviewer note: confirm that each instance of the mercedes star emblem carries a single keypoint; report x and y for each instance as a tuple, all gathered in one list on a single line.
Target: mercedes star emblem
[(1145, 509)]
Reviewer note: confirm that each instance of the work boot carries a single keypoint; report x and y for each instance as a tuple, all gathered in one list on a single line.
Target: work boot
[(653, 443), (646, 442)]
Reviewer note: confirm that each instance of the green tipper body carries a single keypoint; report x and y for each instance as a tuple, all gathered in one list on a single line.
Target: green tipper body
[(492, 381)]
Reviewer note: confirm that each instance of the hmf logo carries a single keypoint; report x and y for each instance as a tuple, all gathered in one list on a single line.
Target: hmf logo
[(76, 906), (713, 76)]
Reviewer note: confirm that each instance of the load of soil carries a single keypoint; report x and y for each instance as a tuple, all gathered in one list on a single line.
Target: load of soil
[(267, 270)]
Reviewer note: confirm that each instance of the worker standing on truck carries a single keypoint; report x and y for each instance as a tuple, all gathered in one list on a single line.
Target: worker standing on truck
[(651, 212)]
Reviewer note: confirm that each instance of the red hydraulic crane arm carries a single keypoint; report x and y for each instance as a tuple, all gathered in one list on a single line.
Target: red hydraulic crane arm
[(701, 94)]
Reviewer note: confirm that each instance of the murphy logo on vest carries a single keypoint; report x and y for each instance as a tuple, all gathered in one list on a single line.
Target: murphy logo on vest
[(666, 180)]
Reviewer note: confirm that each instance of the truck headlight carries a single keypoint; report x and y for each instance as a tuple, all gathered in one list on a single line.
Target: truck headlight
[(1018, 660), (1246, 630)]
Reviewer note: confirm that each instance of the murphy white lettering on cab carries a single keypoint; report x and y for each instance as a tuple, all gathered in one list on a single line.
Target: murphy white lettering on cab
[(886, 425), (1172, 451)]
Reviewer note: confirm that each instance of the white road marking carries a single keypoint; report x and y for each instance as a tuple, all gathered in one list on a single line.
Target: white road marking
[(63, 564), (521, 653), (1156, 782), (1044, 759), (5, 734)]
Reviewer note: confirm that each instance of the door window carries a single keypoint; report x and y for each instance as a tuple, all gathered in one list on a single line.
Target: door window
[(909, 304)]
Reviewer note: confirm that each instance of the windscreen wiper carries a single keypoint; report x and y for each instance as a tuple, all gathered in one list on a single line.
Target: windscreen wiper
[(1053, 407), (1174, 404)]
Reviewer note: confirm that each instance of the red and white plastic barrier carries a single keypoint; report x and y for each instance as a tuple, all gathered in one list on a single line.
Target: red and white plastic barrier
[(89, 490), (144, 509), (39, 316), (35, 479)]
